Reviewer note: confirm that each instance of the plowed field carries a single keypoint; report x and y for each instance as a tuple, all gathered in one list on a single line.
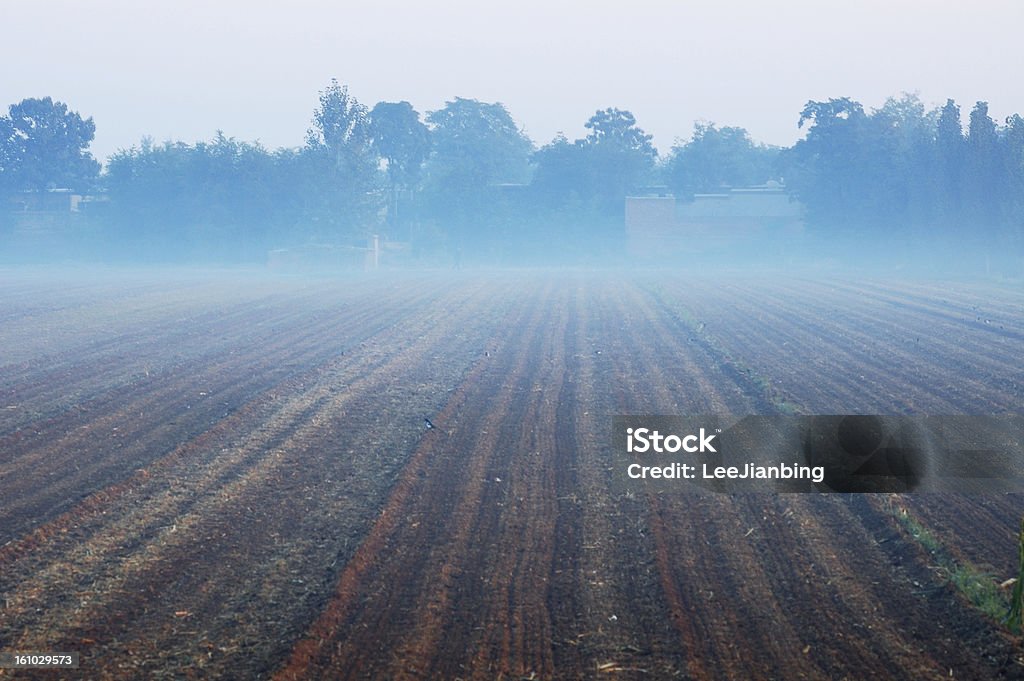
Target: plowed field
[(410, 477)]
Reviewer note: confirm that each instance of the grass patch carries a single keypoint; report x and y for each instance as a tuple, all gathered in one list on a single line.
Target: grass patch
[(977, 587), (1015, 616), (919, 532)]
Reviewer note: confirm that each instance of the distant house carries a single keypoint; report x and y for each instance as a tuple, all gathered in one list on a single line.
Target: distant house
[(659, 226), (43, 216), (55, 223), (51, 201)]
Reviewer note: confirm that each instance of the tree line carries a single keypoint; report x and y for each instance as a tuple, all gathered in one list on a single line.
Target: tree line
[(466, 178)]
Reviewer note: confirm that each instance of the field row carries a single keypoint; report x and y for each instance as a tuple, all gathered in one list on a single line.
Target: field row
[(208, 479)]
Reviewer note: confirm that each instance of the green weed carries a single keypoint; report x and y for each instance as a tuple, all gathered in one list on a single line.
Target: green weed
[(979, 588)]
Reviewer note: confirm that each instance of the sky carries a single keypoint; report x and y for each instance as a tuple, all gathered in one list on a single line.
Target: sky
[(182, 70)]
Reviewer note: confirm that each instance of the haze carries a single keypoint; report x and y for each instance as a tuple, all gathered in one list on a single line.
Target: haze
[(181, 70)]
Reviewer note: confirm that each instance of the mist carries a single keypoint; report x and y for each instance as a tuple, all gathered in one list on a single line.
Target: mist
[(899, 189)]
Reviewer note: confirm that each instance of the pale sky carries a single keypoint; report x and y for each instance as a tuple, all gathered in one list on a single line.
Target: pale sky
[(183, 69)]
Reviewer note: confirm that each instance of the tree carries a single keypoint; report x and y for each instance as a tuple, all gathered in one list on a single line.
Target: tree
[(826, 168), (343, 184), (617, 128), (982, 176), (949, 147), (621, 156), (903, 182), (44, 146), (476, 143), (477, 147), (579, 188), (403, 141), (340, 124), (7, 147), (222, 199), (561, 173), (716, 157), (1013, 167), (598, 171)]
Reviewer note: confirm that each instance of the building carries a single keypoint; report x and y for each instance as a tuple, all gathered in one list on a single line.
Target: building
[(736, 219)]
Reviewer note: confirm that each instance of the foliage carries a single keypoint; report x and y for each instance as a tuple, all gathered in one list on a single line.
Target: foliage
[(718, 157), (401, 139), (340, 125), (470, 178), (210, 199), (619, 153), (44, 145), (403, 142), (477, 148), (592, 176), (617, 128), (340, 168), (982, 178), (901, 170), (476, 144), (826, 168)]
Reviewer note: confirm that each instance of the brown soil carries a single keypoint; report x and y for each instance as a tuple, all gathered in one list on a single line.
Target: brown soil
[(201, 482)]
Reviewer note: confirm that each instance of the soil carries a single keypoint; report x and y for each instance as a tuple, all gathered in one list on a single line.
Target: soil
[(411, 477)]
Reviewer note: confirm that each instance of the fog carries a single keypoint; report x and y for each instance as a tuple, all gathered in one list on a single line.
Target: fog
[(320, 324), (735, 138)]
